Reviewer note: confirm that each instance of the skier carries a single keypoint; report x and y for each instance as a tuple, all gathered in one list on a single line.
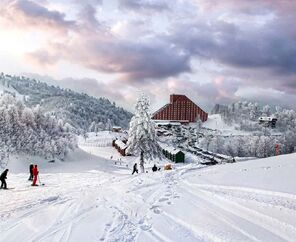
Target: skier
[(154, 168), (35, 174), (3, 177), (135, 169), (31, 172)]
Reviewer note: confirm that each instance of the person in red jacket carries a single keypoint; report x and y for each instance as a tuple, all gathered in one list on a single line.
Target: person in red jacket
[(35, 175)]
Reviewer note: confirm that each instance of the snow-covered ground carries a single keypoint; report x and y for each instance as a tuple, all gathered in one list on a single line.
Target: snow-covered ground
[(215, 122), (88, 198)]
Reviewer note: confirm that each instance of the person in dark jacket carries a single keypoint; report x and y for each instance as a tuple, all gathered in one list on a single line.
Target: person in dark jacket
[(154, 168), (3, 177), (135, 169), (31, 172)]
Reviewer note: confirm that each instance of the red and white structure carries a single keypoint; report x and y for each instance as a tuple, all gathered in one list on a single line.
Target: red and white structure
[(180, 109)]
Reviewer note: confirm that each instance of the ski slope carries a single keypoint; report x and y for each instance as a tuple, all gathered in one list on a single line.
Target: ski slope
[(215, 122), (89, 198)]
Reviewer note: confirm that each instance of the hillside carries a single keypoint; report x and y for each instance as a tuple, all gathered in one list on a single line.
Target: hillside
[(235, 130), (89, 198), (77, 109)]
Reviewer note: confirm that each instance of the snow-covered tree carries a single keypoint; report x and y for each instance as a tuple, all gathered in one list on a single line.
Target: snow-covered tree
[(266, 110), (109, 125), (142, 139), (198, 125), (77, 109), (29, 131), (92, 127)]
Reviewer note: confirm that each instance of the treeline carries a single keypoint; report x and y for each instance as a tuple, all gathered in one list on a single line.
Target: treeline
[(262, 141), (250, 145), (245, 116), (27, 130), (78, 109)]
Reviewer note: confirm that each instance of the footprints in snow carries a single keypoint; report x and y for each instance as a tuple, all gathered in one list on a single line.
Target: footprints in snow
[(144, 225), (156, 209), (169, 195), (163, 199), (122, 226)]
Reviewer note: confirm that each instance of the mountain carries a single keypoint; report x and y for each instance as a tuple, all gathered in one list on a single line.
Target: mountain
[(78, 109)]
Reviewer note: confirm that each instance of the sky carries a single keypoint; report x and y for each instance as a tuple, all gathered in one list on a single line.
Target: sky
[(213, 51)]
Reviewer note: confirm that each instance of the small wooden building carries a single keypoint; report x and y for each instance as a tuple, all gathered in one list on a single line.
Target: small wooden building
[(116, 129), (120, 146), (174, 155), (268, 121), (178, 156)]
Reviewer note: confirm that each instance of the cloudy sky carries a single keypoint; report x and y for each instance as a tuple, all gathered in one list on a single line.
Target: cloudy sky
[(214, 51)]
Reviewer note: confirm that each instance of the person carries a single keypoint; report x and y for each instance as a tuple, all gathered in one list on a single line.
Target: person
[(3, 177), (35, 175), (154, 168), (31, 172), (135, 169)]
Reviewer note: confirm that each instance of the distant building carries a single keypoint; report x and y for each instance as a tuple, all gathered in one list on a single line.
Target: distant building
[(174, 155), (180, 109), (120, 146), (116, 129), (268, 121)]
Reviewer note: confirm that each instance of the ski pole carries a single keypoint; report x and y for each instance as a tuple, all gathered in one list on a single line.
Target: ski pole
[(42, 184), (39, 179)]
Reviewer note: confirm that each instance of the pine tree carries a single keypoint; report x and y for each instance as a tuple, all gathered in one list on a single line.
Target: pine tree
[(142, 139), (29, 131)]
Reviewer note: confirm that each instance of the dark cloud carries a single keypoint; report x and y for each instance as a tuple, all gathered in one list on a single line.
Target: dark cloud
[(135, 61), (254, 43), (230, 44), (29, 14)]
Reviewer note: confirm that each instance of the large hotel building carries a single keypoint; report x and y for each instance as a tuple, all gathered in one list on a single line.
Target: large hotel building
[(180, 109)]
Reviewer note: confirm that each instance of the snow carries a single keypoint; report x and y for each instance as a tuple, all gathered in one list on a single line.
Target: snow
[(120, 144), (89, 198), (215, 122)]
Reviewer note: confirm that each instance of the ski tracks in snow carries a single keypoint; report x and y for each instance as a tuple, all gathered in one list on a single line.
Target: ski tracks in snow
[(253, 212), (133, 214), (161, 206)]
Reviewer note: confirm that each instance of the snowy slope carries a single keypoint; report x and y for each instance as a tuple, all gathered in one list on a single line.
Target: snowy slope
[(215, 122), (98, 201)]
